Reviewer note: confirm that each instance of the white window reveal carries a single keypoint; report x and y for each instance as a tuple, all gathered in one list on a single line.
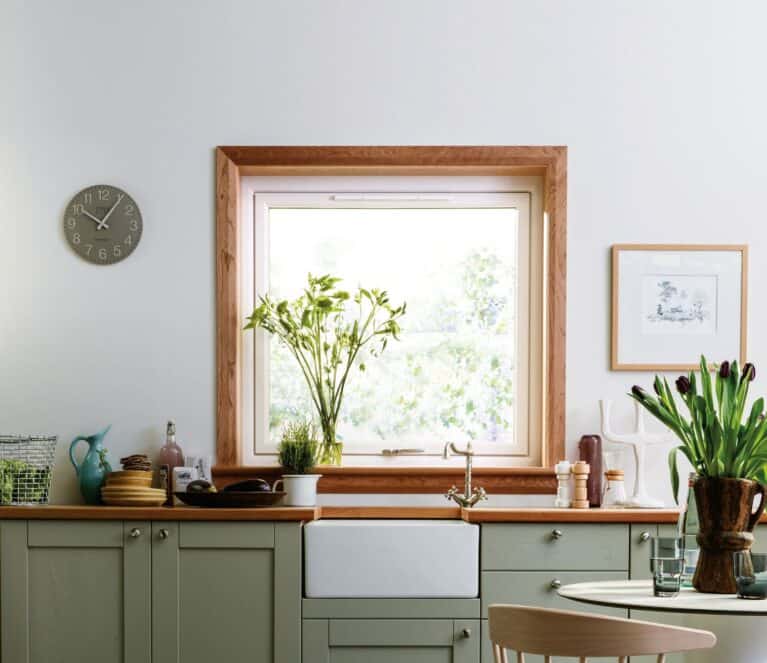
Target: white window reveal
[(468, 365)]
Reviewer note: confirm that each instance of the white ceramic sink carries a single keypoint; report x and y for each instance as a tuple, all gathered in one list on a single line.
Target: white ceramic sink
[(391, 559)]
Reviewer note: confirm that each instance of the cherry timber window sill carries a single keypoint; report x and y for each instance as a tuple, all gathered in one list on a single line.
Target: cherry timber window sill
[(495, 480)]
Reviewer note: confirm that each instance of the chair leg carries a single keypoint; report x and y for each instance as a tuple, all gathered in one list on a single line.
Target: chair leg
[(661, 658)]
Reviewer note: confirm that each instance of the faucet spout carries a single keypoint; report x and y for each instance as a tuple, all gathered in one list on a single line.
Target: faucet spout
[(469, 497)]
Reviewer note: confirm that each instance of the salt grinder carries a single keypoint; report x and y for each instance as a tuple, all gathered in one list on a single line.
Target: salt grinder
[(581, 473), (562, 469)]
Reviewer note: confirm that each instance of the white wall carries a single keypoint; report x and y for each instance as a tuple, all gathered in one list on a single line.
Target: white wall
[(662, 105)]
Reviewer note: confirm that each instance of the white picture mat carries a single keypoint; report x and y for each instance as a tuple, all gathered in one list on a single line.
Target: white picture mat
[(718, 274)]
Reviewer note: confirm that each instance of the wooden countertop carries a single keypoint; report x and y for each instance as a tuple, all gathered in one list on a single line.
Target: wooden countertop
[(476, 515), (81, 512), (544, 515)]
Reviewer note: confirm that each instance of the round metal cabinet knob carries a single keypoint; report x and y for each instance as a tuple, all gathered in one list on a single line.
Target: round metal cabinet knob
[(466, 633), (163, 533), (644, 537), (557, 534), (555, 584), (135, 533)]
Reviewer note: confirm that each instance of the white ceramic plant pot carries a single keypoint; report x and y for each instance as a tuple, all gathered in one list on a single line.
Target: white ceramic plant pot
[(300, 489)]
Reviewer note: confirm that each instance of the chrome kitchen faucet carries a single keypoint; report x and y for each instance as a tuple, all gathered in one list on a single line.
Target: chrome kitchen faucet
[(469, 497)]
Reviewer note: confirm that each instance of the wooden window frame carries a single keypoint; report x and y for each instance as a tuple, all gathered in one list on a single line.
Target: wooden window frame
[(233, 163)]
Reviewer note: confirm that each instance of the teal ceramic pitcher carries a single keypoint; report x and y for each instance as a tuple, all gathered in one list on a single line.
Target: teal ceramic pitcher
[(92, 470)]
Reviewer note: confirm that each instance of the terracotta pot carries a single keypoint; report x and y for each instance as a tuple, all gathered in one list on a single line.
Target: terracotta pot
[(727, 518)]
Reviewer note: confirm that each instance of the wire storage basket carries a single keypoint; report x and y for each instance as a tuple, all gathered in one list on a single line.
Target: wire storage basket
[(26, 468)]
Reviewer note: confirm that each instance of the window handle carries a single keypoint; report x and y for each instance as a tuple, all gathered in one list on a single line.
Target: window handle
[(400, 452)]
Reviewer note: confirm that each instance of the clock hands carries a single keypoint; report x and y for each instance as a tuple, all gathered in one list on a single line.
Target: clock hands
[(96, 219), (103, 222)]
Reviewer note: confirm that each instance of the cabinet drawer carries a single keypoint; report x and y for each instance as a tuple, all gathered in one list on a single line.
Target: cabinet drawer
[(539, 588), (539, 547)]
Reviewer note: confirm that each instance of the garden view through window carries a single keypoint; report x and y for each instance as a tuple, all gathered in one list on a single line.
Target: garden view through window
[(459, 371)]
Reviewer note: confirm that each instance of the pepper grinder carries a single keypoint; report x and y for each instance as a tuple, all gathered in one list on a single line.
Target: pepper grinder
[(581, 471), (590, 451), (562, 468)]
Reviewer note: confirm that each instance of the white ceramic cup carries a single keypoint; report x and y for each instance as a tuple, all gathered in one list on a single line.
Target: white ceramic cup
[(300, 489)]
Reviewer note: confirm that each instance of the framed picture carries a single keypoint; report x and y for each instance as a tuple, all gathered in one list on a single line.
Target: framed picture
[(673, 303)]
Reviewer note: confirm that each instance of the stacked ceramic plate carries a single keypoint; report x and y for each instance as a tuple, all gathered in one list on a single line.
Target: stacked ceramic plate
[(131, 488)]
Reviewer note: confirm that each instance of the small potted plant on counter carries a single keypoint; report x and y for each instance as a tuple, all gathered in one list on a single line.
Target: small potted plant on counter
[(297, 454), (727, 447)]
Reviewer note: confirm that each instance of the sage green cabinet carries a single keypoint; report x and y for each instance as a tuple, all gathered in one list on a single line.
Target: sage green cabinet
[(75, 591), (226, 591), (391, 640), (141, 592)]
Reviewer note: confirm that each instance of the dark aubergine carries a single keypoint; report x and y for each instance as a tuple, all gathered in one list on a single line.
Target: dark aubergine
[(249, 486)]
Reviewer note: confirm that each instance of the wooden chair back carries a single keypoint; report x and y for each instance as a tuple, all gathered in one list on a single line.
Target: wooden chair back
[(550, 633)]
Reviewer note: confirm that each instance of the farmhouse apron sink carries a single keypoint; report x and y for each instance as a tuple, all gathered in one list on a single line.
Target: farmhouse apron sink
[(391, 559)]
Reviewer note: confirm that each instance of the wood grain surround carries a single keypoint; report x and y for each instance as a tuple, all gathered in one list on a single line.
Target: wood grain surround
[(233, 162)]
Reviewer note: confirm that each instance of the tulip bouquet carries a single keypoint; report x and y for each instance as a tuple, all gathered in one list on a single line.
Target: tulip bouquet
[(716, 438)]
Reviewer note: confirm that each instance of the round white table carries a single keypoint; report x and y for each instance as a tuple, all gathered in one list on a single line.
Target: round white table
[(739, 624)]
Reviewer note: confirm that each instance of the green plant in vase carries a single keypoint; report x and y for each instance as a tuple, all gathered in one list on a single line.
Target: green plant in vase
[(325, 329), (726, 445)]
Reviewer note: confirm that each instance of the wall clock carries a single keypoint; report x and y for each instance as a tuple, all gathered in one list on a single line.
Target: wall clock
[(103, 224)]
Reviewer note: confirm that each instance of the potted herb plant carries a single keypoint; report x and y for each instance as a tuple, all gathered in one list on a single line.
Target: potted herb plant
[(297, 454), (727, 447), (325, 329)]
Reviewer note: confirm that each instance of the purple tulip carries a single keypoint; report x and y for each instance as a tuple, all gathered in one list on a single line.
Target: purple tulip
[(683, 384), (638, 392), (724, 369), (749, 372)]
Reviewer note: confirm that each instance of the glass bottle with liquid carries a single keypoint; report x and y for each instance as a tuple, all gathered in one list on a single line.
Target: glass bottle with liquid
[(688, 532), (170, 453)]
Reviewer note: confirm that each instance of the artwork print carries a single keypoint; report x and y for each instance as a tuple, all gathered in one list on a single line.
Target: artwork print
[(679, 304)]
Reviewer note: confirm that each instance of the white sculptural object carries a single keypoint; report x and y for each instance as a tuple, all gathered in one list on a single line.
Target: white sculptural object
[(638, 440)]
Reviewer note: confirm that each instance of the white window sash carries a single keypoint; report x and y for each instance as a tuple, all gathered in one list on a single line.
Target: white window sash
[(262, 194)]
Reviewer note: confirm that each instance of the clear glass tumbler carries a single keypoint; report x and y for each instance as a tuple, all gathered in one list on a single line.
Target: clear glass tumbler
[(750, 574), (666, 564)]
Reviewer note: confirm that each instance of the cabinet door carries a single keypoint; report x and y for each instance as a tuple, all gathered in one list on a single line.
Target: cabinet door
[(75, 591), (387, 640), (226, 591)]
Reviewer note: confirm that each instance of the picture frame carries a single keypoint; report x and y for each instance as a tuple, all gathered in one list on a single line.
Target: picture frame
[(672, 303)]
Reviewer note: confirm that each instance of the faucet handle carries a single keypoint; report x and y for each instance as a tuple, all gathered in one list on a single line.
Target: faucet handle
[(450, 494), (480, 493)]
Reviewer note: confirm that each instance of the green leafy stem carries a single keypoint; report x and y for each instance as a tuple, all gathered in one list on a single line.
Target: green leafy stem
[(326, 341)]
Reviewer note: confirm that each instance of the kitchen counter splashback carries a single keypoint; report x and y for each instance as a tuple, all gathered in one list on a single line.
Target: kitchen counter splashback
[(488, 515)]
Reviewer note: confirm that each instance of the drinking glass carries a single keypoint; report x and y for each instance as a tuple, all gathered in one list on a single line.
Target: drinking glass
[(750, 574), (666, 564)]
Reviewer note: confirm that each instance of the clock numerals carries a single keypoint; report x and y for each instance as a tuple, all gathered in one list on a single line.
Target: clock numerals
[(103, 224)]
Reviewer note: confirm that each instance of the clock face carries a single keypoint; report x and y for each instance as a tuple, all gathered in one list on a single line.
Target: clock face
[(103, 224)]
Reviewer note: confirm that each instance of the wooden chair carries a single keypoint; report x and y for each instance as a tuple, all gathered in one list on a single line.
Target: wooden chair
[(563, 633)]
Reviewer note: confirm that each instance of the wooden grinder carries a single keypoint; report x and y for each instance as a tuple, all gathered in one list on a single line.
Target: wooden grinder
[(581, 472)]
